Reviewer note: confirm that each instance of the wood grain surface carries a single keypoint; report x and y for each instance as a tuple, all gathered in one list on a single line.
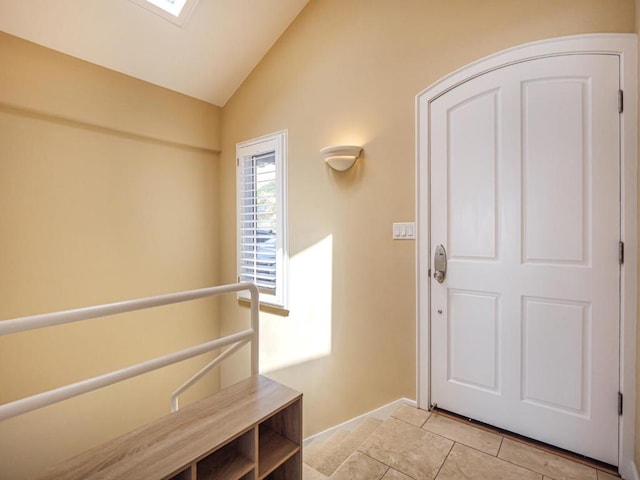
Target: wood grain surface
[(165, 447)]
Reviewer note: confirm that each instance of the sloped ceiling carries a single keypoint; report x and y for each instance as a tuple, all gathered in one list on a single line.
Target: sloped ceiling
[(207, 58)]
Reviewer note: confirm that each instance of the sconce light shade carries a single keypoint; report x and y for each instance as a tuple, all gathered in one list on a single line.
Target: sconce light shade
[(341, 157)]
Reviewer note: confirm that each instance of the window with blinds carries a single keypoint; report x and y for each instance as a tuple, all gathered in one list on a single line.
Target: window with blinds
[(261, 223), (258, 220)]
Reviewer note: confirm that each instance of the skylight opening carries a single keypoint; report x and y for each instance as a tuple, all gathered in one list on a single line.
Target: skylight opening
[(175, 11), (174, 7)]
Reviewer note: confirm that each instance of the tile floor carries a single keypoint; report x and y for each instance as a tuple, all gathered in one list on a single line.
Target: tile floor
[(415, 444)]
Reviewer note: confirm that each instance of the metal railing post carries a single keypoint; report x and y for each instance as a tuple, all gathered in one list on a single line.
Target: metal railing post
[(255, 326)]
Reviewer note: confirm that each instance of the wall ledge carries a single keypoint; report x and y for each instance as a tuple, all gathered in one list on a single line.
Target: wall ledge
[(78, 123)]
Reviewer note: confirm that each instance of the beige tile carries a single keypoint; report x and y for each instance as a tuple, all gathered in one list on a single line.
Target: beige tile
[(606, 476), (309, 473), (341, 451), (408, 449), (311, 450), (464, 463), (395, 475), (360, 467), (314, 457), (411, 415), (464, 433), (601, 476), (548, 464)]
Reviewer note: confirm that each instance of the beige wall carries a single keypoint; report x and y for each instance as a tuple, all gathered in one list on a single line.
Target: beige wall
[(347, 71), (108, 191), (637, 453)]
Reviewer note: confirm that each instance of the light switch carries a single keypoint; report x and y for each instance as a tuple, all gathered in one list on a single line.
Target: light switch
[(411, 231), (404, 231)]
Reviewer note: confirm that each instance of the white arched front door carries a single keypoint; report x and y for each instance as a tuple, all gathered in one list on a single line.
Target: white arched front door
[(524, 211)]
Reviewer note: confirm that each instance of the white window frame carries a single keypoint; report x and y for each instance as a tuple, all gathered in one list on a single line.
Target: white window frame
[(169, 11), (276, 142)]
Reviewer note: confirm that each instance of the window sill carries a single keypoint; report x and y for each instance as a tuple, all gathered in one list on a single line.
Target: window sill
[(266, 307)]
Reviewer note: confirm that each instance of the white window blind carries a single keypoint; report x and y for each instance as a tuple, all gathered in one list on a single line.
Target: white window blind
[(258, 220), (261, 209)]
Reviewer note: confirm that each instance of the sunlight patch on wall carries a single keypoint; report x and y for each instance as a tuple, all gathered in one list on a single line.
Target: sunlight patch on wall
[(306, 333)]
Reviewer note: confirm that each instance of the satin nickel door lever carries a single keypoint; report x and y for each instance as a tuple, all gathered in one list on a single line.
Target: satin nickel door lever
[(440, 264)]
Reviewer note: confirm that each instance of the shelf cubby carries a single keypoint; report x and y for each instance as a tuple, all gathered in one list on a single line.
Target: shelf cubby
[(274, 450), (232, 461), (184, 474)]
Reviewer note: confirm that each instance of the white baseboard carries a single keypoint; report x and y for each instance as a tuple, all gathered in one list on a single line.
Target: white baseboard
[(634, 471), (381, 413)]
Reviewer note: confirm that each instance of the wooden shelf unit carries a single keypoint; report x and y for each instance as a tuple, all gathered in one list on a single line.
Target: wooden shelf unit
[(249, 431)]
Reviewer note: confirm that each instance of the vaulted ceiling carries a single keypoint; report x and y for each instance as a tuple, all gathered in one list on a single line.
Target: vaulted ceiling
[(207, 58)]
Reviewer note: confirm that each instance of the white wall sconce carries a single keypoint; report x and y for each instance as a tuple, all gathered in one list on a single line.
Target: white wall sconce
[(341, 157)]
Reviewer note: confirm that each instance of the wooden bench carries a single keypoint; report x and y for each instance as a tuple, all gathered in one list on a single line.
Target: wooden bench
[(249, 431)]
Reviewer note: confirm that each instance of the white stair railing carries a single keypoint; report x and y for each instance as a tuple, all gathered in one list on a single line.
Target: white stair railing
[(233, 341)]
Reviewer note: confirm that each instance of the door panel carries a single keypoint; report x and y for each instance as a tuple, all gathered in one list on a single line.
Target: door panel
[(525, 198), (554, 173), (473, 326), (472, 164), (555, 368)]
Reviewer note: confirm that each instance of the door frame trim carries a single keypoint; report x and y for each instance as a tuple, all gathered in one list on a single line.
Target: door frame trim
[(625, 46)]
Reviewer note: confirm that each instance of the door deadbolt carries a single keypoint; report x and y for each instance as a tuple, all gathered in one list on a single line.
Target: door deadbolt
[(440, 264)]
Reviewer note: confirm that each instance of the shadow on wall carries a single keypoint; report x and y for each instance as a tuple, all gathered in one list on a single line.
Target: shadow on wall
[(306, 337)]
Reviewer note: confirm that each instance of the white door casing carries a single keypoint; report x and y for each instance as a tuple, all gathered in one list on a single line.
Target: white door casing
[(530, 281)]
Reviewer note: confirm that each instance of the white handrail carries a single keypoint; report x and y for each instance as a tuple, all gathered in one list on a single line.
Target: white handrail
[(33, 402)]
